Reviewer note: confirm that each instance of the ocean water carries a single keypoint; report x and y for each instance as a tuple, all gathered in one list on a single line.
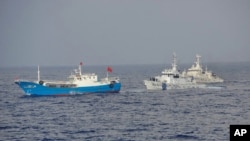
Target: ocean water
[(134, 114)]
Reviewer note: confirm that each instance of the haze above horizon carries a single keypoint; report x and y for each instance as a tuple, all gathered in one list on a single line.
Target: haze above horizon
[(62, 32)]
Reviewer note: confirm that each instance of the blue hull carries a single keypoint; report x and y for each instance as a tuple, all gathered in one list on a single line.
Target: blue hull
[(31, 88)]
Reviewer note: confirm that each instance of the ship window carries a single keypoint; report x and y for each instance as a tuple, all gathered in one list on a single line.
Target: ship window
[(176, 76), (52, 85)]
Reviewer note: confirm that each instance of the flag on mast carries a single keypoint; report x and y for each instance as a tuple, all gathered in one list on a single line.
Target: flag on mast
[(109, 69)]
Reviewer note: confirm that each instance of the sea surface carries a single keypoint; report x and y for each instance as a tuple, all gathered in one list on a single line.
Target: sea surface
[(134, 114)]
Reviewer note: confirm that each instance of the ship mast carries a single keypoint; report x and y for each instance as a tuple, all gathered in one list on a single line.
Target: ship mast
[(80, 69), (38, 74), (174, 66), (198, 61)]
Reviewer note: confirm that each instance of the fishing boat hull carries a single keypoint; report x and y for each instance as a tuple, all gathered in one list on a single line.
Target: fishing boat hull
[(34, 88)]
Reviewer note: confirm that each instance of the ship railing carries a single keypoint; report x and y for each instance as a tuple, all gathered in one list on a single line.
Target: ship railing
[(23, 80), (56, 82), (110, 79), (88, 74)]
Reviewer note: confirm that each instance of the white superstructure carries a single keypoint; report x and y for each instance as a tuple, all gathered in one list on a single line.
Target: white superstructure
[(172, 78), (79, 79), (201, 76)]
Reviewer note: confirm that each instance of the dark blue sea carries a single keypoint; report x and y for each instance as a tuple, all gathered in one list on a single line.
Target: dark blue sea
[(134, 114)]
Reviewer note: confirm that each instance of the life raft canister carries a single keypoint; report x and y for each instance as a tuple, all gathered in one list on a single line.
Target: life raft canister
[(41, 82)]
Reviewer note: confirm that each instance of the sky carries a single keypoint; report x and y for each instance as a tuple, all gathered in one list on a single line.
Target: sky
[(121, 32)]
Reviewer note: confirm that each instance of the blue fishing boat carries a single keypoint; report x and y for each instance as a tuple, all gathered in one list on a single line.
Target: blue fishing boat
[(78, 83)]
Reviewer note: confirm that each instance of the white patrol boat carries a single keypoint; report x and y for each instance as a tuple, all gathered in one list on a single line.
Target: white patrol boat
[(171, 79), (200, 75)]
